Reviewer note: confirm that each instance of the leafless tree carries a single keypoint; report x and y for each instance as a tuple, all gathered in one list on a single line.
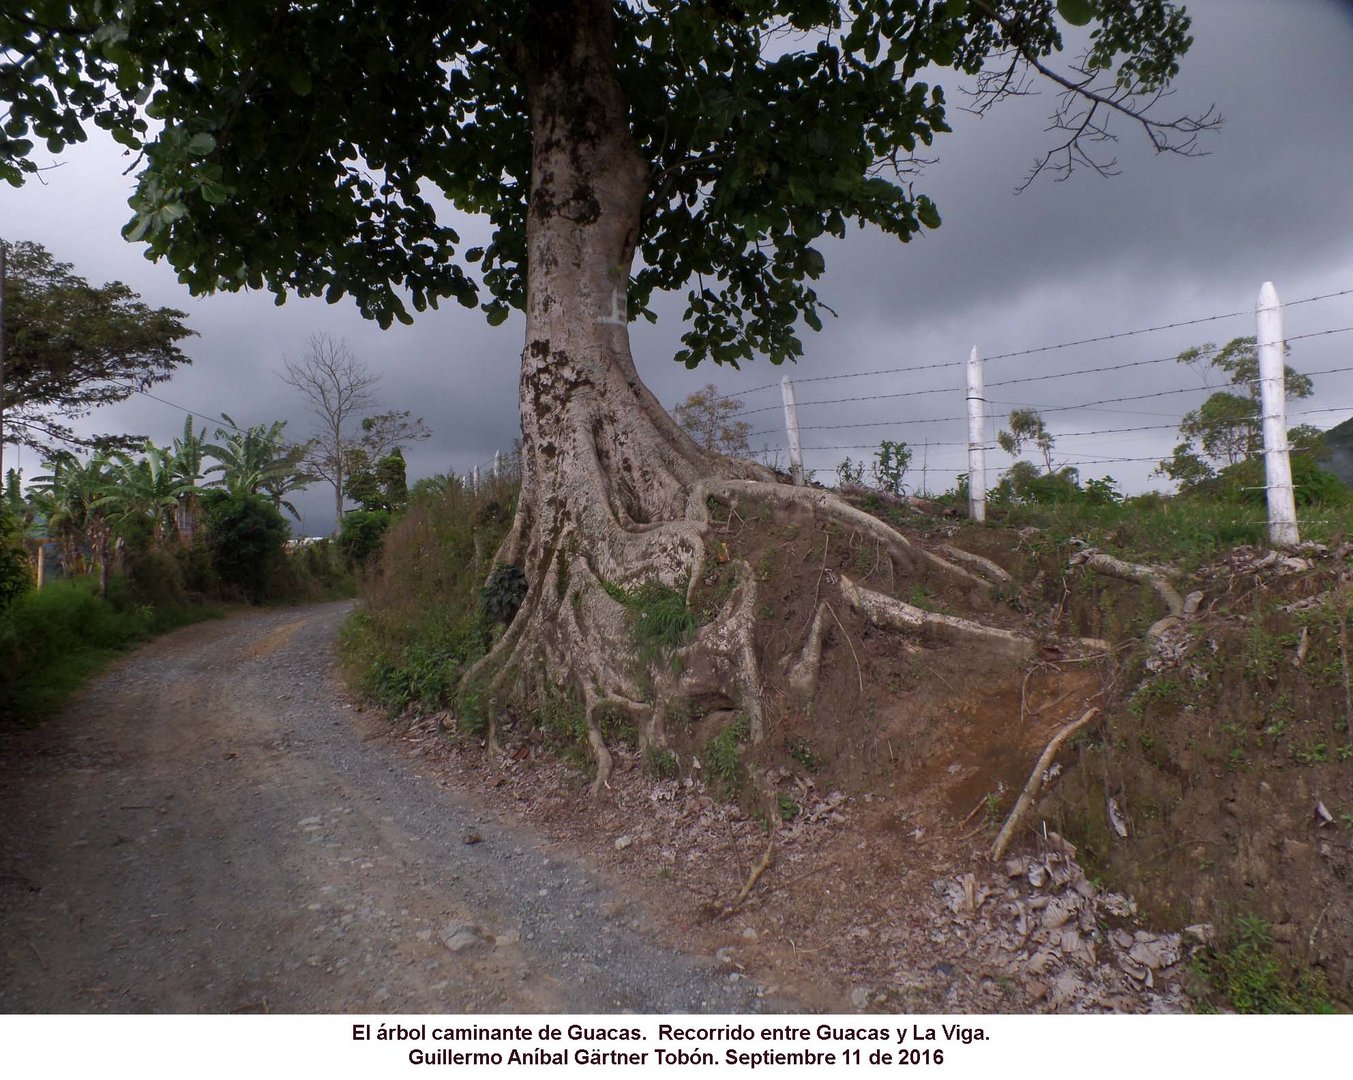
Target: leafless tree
[(341, 392)]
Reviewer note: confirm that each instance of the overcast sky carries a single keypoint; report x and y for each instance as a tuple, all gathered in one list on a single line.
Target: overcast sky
[(1168, 240)]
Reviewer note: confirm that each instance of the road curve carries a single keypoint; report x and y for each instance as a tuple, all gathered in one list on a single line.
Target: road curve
[(208, 828)]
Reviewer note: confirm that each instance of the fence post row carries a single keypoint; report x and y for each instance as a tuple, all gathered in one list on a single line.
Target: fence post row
[(792, 430), (977, 438), (1282, 505)]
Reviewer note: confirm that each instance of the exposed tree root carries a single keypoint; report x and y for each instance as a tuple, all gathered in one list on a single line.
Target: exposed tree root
[(1146, 575), (570, 625), (983, 565), (886, 611), (802, 675), (1035, 782), (830, 505)]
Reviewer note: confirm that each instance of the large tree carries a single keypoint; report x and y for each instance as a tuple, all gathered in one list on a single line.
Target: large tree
[(1228, 428), (618, 149), (70, 347)]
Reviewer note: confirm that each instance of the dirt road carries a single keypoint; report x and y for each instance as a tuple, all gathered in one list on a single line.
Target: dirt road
[(210, 827)]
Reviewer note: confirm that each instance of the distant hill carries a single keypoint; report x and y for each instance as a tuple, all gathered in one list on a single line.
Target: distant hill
[(1340, 442)]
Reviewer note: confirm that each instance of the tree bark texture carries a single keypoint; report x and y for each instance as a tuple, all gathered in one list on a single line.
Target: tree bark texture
[(614, 493)]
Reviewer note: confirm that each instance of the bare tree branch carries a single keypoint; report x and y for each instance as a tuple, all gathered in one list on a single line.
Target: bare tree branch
[(1090, 95)]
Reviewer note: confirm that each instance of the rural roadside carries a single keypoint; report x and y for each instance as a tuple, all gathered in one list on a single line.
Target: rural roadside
[(215, 826)]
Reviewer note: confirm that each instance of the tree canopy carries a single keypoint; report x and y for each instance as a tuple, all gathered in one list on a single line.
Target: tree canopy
[(71, 346), (711, 419), (618, 148), (1227, 429), (762, 126)]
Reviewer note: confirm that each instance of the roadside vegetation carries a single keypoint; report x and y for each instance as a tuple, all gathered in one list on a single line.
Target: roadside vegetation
[(116, 539), (1173, 794), (430, 607), (82, 579)]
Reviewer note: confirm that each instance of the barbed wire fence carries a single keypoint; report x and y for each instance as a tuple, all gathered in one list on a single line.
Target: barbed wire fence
[(975, 416), (785, 440)]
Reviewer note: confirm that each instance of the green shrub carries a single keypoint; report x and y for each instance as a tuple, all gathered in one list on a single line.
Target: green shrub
[(723, 755), (362, 533), (246, 536), (52, 639), (502, 594), (15, 576), (155, 577)]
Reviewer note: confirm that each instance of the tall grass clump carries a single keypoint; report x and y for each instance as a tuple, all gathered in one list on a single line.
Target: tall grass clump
[(425, 615), (660, 620)]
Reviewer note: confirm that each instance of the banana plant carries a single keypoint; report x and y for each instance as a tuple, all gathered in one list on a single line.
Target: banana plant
[(189, 459), (146, 488), (74, 497)]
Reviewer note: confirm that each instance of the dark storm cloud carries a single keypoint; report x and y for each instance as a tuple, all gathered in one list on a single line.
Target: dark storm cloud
[(1168, 240)]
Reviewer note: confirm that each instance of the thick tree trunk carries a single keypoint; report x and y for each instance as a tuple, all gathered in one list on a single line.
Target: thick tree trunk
[(606, 473), (588, 424), (613, 491)]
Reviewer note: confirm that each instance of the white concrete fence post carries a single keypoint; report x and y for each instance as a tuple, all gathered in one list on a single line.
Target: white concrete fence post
[(977, 439), (474, 480), (1282, 505), (792, 430)]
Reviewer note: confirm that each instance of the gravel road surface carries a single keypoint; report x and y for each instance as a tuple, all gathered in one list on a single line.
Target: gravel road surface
[(212, 827)]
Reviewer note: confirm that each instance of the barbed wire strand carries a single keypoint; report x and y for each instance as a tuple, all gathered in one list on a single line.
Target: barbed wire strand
[(1052, 348)]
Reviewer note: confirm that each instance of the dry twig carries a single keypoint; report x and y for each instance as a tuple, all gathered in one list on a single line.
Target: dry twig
[(755, 876)]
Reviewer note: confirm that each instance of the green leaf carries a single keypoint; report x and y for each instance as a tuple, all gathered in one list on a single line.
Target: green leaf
[(1076, 12), (138, 228), (300, 81), (202, 144), (216, 194)]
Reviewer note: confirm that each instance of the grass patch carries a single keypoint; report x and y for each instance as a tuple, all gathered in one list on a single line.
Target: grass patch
[(1245, 975), (53, 639), (1187, 530), (660, 620)]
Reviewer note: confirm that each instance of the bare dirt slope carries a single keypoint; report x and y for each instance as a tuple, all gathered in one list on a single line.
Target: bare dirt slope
[(212, 828)]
